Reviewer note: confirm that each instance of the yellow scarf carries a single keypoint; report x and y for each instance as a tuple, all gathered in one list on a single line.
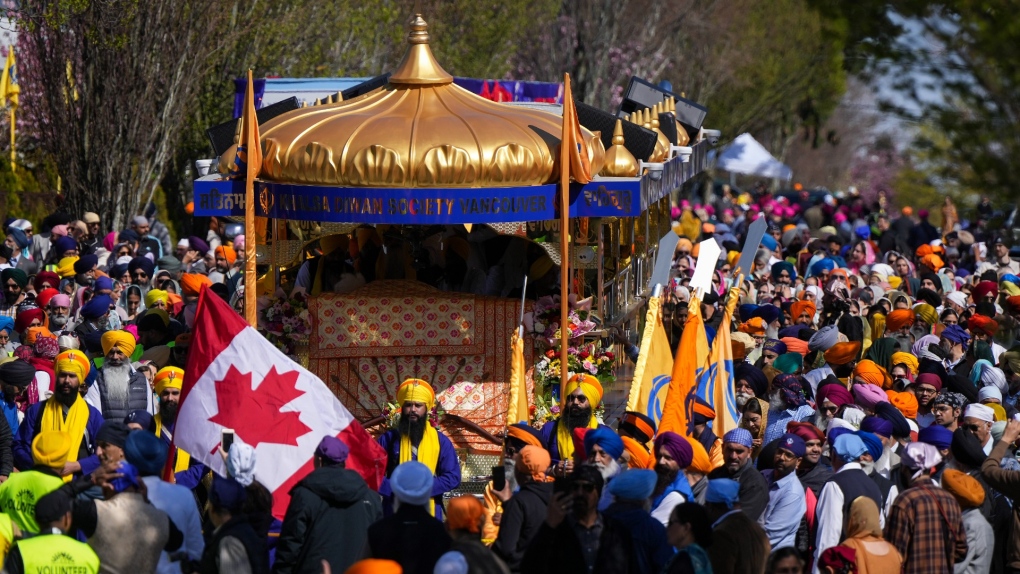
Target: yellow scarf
[(565, 438), (74, 424), (428, 454), (183, 458)]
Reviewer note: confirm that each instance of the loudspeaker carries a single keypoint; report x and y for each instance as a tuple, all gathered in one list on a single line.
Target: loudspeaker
[(221, 136), (638, 140), (365, 87), (641, 94), (667, 125)]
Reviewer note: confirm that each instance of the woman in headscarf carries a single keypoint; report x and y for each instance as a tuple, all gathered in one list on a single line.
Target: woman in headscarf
[(864, 534), (754, 417), (133, 302), (905, 271), (861, 254)]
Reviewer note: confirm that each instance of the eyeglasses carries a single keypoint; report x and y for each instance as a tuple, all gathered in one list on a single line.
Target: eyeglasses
[(586, 487), (925, 390)]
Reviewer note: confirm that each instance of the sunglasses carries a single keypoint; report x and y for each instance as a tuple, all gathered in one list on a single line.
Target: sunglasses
[(140, 275), (971, 427), (830, 409), (585, 487)]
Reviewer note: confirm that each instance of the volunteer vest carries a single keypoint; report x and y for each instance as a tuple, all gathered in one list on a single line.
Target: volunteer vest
[(137, 400), (854, 482), (21, 491), (57, 553)]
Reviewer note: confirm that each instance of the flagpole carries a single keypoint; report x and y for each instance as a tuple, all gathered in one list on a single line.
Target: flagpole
[(14, 164), (250, 314), (565, 142)]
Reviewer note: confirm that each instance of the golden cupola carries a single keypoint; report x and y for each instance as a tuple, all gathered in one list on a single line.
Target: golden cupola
[(420, 130)]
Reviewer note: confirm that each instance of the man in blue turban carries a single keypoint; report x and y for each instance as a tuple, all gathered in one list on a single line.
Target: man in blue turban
[(738, 542), (603, 448), (783, 273)]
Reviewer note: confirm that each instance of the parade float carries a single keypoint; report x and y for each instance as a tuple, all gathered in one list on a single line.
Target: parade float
[(423, 170)]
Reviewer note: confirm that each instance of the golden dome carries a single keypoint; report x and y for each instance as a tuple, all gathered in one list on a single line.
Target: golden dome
[(420, 130)]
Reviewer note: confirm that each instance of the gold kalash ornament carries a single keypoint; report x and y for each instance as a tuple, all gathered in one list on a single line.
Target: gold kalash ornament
[(420, 130)]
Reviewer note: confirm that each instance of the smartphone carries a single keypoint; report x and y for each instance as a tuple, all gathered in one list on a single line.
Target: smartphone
[(498, 477), (227, 439)]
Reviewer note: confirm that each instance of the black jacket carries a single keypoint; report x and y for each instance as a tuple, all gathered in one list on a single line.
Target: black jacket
[(239, 528), (523, 515), (328, 518), (558, 551), (411, 537)]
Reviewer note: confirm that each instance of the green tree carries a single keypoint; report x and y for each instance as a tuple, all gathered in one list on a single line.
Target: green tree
[(955, 67)]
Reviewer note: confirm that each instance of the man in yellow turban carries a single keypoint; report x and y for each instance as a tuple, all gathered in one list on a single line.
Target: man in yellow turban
[(167, 385), (120, 389), (67, 412), (416, 439), (157, 299), (583, 396)]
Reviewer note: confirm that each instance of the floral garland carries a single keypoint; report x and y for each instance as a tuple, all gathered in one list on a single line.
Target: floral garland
[(285, 321), (582, 356)]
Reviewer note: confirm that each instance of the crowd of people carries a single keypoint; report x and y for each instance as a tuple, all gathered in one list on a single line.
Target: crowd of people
[(876, 374)]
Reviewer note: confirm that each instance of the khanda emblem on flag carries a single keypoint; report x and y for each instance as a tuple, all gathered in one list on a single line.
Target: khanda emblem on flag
[(265, 200)]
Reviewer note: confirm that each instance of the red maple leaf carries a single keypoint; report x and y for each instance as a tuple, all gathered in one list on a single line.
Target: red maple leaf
[(255, 414)]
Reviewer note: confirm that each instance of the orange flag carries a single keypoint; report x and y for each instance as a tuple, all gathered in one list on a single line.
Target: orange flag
[(691, 355)]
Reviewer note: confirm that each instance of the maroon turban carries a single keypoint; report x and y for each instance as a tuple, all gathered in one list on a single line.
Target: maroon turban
[(836, 393), (806, 431), (929, 379), (984, 289), (25, 318)]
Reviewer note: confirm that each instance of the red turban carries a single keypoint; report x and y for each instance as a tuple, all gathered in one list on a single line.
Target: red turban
[(842, 353), (1014, 303), (46, 277), (899, 319), (798, 308), (981, 324), (836, 394), (806, 431), (984, 289), (44, 296), (25, 318), (929, 379)]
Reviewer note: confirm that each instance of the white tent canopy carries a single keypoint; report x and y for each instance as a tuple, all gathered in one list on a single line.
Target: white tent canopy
[(746, 156)]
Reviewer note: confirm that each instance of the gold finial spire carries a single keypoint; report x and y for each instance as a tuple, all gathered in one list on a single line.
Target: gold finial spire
[(419, 66), (618, 133), (619, 161)]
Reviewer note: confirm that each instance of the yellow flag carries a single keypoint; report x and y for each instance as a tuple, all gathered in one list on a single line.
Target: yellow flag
[(517, 406), (9, 81), (652, 372), (716, 380)]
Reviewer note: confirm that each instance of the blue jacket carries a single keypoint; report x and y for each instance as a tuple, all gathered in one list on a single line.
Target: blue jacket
[(30, 426), (447, 470), (193, 475), (680, 485)]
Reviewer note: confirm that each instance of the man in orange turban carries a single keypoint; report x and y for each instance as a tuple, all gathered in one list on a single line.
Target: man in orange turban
[(982, 327), (803, 313), (119, 388), (843, 353), (518, 436), (869, 372), (898, 320), (905, 402), (192, 283)]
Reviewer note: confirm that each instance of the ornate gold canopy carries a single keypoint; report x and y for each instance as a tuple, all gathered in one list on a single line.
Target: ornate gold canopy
[(420, 130)]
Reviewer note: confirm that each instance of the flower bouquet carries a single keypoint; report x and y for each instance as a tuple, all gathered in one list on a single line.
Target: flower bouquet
[(284, 321), (582, 356)]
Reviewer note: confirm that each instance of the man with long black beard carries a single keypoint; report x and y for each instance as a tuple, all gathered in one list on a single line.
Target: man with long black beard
[(167, 384), (416, 439), (672, 455), (120, 389), (583, 396), (67, 412)]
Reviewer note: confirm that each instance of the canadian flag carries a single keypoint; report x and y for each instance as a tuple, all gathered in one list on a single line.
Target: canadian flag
[(236, 379)]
